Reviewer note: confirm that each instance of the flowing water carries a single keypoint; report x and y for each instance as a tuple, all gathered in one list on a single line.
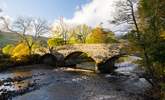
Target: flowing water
[(40, 82)]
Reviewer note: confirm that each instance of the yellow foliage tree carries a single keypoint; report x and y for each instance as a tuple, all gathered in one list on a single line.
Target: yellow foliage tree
[(20, 51), (98, 35)]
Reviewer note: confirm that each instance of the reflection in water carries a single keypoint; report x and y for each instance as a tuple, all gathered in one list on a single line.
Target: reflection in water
[(22, 73), (87, 65), (128, 66), (23, 83)]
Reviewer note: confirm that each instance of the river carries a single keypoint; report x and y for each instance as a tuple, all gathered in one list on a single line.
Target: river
[(41, 82)]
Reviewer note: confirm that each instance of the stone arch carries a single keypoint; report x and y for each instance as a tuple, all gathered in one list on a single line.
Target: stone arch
[(77, 57)]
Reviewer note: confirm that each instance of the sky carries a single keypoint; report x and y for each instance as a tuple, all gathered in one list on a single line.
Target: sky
[(90, 12), (47, 9)]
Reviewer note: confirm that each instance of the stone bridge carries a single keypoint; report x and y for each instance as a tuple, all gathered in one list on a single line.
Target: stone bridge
[(100, 53)]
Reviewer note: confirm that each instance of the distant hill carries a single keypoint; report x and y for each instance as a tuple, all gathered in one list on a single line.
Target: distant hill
[(11, 38)]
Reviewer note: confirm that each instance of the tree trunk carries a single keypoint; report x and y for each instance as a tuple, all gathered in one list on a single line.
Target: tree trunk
[(30, 51)]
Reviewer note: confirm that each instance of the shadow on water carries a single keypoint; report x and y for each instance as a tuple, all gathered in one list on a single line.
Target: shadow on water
[(80, 60)]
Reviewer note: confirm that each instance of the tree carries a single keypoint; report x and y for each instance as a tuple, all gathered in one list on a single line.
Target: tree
[(126, 13), (97, 35), (29, 29), (82, 32), (152, 19), (61, 30), (53, 42), (153, 24), (20, 52), (148, 36), (111, 38)]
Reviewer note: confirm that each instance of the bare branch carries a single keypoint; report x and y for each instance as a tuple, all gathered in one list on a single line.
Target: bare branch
[(29, 29)]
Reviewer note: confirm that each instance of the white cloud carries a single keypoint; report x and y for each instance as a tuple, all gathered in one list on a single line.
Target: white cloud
[(94, 13), (97, 12), (8, 19)]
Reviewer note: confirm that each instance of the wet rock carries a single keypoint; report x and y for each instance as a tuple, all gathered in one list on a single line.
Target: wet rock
[(18, 78), (8, 80), (40, 74), (1, 83), (7, 84), (6, 93)]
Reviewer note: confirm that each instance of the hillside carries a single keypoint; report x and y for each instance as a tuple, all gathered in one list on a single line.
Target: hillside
[(11, 38)]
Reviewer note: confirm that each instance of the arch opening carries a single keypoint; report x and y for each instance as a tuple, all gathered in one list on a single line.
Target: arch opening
[(127, 64), (80, 60)]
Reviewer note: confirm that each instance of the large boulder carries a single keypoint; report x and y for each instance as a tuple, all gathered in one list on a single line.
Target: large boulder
[(48, 59)]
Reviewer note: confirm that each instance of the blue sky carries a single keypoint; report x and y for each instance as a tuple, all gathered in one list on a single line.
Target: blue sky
[(47, 9), (89, 12)]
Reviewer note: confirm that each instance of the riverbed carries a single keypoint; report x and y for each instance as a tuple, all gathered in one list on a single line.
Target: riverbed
[(42, 82)]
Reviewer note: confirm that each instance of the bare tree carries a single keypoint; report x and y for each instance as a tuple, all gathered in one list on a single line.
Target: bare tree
[(126, 13), (29, 29), (62, 30), (82, 32)]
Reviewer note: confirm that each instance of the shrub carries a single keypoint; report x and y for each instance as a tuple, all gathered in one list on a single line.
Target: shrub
[(20, 52), (7, 50), (55, 42)]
